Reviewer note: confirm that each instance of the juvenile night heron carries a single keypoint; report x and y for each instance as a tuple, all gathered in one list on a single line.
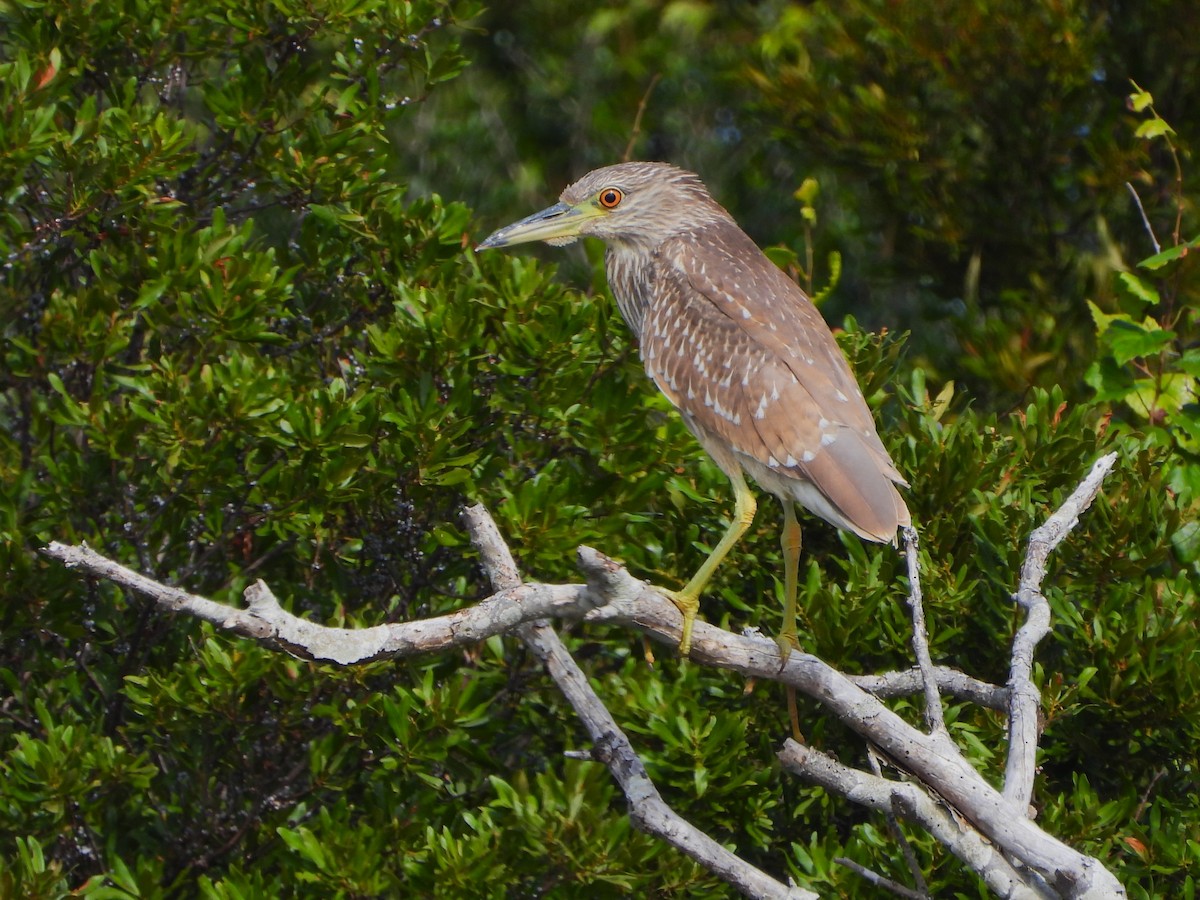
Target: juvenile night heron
[(740, 351)]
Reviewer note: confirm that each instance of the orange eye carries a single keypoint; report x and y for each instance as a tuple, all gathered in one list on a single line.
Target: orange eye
[(610, 198)]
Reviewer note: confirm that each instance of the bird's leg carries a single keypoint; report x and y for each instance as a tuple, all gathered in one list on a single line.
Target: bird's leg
[(790, 542), (688, 600)]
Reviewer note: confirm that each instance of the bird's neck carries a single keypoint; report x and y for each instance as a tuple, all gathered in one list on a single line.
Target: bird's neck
[(630, 268)]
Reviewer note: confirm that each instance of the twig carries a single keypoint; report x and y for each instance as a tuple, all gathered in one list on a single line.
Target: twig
[(1144, 800), (1145, 218), (637, 119), (1024, 696), (934, 718), (878, 880), (647, 809), (910, 857)]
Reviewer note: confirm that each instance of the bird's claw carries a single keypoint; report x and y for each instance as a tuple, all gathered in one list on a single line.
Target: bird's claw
[(688, 605), (787, 641)]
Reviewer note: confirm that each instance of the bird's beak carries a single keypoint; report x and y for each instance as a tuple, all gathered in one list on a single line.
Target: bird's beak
[(560, 224)]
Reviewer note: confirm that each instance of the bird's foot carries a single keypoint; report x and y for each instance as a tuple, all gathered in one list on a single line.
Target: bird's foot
[(688, 605), (787, 641)]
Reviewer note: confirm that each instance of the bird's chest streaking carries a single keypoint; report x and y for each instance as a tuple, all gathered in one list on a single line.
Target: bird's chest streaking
[(630, 269)]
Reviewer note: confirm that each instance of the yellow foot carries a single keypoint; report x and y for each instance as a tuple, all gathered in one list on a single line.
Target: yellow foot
[(787, 642), (688, 605)]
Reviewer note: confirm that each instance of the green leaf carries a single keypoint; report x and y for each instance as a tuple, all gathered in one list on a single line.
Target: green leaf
[(1158, 260), (119, 872), (1137, 290), (808, 190), (1151, 397), (1103, 320), (1126, 340), (1140, 100), (1085, 675), (1153, 128), (1186, 542), (1189, 362), (942, 402), (302, 841)]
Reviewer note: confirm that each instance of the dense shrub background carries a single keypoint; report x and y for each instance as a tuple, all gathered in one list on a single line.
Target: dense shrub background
[(243, 335)]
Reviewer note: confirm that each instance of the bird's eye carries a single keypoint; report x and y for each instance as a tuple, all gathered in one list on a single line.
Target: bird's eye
[(610, 198)]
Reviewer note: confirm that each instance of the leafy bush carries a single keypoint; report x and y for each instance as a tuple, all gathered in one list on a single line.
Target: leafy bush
[(236, 345), (1148, 359)]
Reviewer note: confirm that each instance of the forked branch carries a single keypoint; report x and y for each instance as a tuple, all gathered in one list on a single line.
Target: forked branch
[(1024, 697), (610, 746)]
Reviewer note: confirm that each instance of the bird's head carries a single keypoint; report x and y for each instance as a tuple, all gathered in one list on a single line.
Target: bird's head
[(640, 203)]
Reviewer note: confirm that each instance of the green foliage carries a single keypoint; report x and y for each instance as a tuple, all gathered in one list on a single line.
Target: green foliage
[(994, 144), (1147, 358), (238, 340)]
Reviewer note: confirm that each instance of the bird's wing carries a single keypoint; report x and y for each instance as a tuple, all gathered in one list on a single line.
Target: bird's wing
[(739, 348)]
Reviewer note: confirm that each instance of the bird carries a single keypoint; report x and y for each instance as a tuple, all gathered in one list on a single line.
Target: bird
[(743, 355)]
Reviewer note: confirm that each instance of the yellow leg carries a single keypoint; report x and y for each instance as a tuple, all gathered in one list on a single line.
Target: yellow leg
[(688, 600), (790, 543)]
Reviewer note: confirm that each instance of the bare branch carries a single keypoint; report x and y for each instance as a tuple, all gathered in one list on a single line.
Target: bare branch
[(934, 718), (878, 880), (266, 621), (1145, 218), (1024, 696), (949, 681), (637, 119), (932, 758), (647, 809), (936, 762), (913, 803), (1144, 800)]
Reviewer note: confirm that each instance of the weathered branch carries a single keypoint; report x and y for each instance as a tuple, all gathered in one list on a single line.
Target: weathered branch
[(931, 758), (949, 681), (627, 601), (1024, 696), (647, 809), (935, 721), (266, 621), (914, 804)]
